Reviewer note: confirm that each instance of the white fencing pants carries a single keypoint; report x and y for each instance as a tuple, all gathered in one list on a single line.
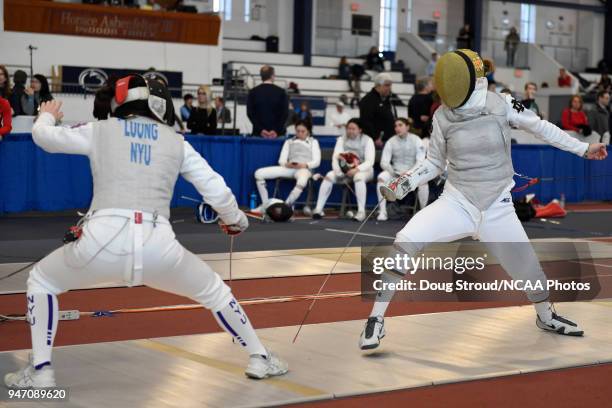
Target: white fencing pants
[(385, 177), (273, 172), (452, 217), (108, 252), (359, 180)]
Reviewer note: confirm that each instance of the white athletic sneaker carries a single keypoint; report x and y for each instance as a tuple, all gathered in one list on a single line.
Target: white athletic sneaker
[(28, 377), (382, 216), (259, 210), (372, 333), (559, 325), (262, 367), (360, 216), (317, 215)]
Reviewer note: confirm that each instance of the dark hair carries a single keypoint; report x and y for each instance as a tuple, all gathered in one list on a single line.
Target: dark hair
[(44, 93), (6, 91), (220, 98), (305, 123), (20, 77), (102, 102), (421, 84), (187, 96), (266, 72), (405, 121), (355, 121), (602, 93), (531, 83)]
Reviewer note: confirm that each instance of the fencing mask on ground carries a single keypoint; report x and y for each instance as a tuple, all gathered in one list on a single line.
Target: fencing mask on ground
[(455, 76), (205, 214), (278, 211)]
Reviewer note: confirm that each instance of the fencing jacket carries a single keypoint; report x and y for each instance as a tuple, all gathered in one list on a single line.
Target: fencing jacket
[(301, 151), (362, 146), (475, 142), (135, 164), (400, 154)]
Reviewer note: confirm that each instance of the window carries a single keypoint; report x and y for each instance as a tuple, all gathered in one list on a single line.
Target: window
[(224, 8), (247, 10), (528, 23), (388, 25)]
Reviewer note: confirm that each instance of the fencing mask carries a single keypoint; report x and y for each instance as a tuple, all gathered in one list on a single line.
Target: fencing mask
[(134, 90), (455, 76), (278, 211)]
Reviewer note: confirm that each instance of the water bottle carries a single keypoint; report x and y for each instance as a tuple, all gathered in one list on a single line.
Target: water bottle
[(562, 200), (253, 201)]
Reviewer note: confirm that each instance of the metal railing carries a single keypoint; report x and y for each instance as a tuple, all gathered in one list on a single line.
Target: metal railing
[(573, 58), (338, 41)]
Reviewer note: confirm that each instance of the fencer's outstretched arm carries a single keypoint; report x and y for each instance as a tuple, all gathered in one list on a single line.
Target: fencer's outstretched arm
[(60, 139), (543, 129), (210, 185)]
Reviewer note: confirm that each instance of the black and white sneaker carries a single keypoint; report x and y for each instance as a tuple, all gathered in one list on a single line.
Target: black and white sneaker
[(372, 333), (560, 325)]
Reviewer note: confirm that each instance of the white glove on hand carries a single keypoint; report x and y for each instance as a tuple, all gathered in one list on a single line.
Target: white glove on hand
[(236, 228)]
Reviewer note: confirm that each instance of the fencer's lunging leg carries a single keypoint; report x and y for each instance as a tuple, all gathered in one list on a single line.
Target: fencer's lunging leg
[(383, 178)]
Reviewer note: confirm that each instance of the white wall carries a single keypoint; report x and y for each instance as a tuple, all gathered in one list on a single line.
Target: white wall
[(268, 17), (199, 63), (569, 28)]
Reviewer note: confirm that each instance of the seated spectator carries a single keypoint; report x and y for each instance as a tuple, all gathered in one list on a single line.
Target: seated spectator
[(293, 89), (223, 114), (599, 116), (203, 118), (5, 83), (344, 71), (573, 117), (352, 161), (419, 106), (564, 80), (267, 106), (605, 83), (187, 107), (374, 60), (339, 117), (304, 113), (37, 93), (431, 66), (529, 102), (299, 156), (18, 92), (5, 118)]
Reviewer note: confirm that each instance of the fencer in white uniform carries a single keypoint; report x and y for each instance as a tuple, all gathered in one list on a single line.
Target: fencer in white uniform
[(471, 134), (363, 147), (299, 156), (401, 153), (135, 158)]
